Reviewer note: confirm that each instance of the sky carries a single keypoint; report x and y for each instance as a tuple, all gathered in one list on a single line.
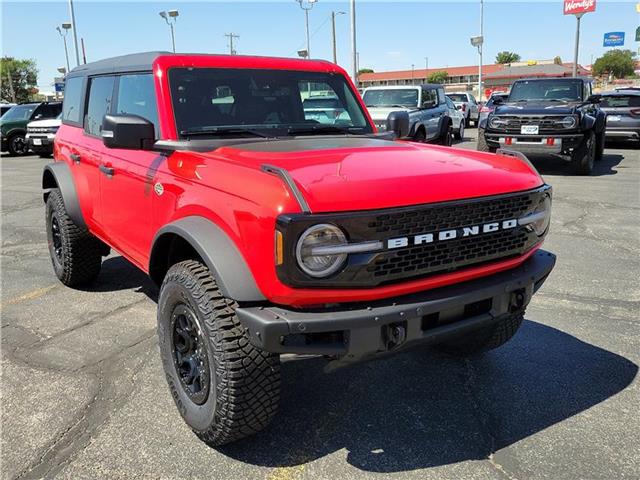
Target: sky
[(390, 35)]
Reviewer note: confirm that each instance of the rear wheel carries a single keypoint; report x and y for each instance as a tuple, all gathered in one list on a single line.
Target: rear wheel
[(446, 137), (75, 253), (485, 339), (223, 386), (583, 157), (420, 136)]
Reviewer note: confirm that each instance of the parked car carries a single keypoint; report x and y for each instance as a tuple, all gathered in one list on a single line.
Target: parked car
[(40, 135), (623, 114), (468, 105), (457, 119), (13, 124), (490, 104), (5, 107), (323, 109), (425, 104), (268, 233), (557, 116)]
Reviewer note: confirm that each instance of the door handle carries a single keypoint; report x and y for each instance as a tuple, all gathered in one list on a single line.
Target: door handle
[(108, 171), (75, 157)]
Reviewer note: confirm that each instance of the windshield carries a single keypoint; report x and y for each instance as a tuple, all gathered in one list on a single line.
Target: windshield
[(19, 112), (238, 102), (620, 101), (458, 97), (401, 97), (547, 90)]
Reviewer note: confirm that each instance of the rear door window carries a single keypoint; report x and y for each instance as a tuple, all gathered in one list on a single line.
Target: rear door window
[(137, 96), (71, 107), (99, 104)]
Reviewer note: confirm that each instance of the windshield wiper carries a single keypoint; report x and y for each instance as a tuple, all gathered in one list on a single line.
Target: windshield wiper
[(223, 131), (320, 129)]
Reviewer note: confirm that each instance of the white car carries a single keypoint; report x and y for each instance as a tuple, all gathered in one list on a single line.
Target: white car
[(40, 135), (457, 119), (468, 106)]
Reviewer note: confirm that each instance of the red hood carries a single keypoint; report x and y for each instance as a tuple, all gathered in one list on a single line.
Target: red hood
[(342, 174)]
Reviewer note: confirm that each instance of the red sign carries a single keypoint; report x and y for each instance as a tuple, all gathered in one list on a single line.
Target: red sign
[(571, 7)]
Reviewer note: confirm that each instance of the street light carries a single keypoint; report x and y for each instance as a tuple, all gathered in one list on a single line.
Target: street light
[(65, 28), (171, 16), (307, 5), (333, 31), (478, 42)]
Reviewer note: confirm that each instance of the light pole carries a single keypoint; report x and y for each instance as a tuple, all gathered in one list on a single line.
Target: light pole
[(333, 31), (478, 42), (413, 68), (307, 5), (354, 55), (75, 32), (577, 45), (65, 28), (231, 36), (171, 17)]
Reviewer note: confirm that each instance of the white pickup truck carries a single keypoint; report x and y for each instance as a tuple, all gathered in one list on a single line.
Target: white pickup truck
[(467, 104)]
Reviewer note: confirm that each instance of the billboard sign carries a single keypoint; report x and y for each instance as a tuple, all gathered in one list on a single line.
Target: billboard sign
[(58, 83), (573, 7), (613, 39)]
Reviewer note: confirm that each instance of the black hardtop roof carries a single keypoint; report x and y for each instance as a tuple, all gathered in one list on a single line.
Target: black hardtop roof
[(135, 62)]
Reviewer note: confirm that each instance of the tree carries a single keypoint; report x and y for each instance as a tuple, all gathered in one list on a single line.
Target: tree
[(619, 63), (438, 77), (18, 78), (365, 70), (557, 60), (507, 57)]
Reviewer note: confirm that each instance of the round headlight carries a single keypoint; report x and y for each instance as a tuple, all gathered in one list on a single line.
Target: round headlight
[(320, 265), (543, 210), (568, 122)]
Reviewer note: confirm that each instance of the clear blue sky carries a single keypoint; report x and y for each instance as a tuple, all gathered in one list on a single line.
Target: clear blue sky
[(391, 35)]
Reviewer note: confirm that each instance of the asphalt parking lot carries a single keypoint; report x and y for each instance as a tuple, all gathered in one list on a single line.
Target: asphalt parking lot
[(84, 395)]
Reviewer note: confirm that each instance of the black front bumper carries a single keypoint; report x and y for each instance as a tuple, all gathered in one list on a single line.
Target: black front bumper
[(563, 143), (356, 332)]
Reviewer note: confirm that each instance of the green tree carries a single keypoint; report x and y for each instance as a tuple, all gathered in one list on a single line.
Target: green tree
[(507, 57), (365, 70), (438, 77), (620, 63), (18, 79)]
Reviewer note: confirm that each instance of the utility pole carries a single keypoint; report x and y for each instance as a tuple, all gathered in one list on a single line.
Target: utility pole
[(354, 55), (426, 67), (333, 32), (75, 32), (231, 36)]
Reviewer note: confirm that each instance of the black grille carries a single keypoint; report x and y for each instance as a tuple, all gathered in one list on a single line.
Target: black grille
[(417, 261), (546, 124)]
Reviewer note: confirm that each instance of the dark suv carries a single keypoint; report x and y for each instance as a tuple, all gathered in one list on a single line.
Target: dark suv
[(556, 116), (13, 124)]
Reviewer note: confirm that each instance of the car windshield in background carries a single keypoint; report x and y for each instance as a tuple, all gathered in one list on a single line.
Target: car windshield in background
[(401, 97), (457, 97), (546, 90), (19, 112), (620, 101), (254, 102)]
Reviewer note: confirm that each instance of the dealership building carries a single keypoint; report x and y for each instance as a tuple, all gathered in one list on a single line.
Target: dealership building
[(494, 76)]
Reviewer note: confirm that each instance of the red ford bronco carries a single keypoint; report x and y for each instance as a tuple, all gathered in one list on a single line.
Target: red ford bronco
[(273, 228)]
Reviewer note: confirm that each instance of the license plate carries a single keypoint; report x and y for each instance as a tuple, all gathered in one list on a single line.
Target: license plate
[(37, 141), (613, 118), (529, 129)]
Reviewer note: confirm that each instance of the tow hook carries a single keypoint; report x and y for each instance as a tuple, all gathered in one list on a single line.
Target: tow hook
[(394, 335), (518, 298)]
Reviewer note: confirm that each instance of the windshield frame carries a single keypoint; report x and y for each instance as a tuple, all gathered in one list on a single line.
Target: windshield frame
[(352, 105), (521, 84)]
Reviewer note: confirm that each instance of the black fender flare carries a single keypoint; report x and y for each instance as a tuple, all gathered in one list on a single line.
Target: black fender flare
[(601, 121), (483, 123), (588, 122), (58, 175), (218, 252)]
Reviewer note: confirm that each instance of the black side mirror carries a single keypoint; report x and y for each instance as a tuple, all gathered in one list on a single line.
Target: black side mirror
[(595, 98), (398, 123), (127, 131)]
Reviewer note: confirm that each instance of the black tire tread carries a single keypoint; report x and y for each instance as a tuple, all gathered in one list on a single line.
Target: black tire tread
[(486, 339), (483, 146), (81, 250), (247, 385)]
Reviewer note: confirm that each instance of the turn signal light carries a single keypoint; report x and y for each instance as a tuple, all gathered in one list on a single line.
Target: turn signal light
[(279, 248)]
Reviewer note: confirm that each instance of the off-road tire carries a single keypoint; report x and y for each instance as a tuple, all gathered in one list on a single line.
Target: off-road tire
[(13, 146), (583, 157), (244, 381), (485, 339), (79, 254), (482, 143), (599, 147)]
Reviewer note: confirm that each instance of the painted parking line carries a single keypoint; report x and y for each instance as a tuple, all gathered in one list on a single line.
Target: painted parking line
[(37, 293)]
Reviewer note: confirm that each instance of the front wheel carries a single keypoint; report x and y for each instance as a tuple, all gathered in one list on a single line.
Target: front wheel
[(223, 386), (600, 147), (584, 156), (460, 133), (483, 146), (446, 138), (17, 145)]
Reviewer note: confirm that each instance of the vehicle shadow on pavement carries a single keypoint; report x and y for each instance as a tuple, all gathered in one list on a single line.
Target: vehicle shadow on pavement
[(554, 166), (117, 274), (423, 409)]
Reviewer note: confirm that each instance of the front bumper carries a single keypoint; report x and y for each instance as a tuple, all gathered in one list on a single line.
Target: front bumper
[(351, 333), (40, 142), (622, 133), (538, 144)]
